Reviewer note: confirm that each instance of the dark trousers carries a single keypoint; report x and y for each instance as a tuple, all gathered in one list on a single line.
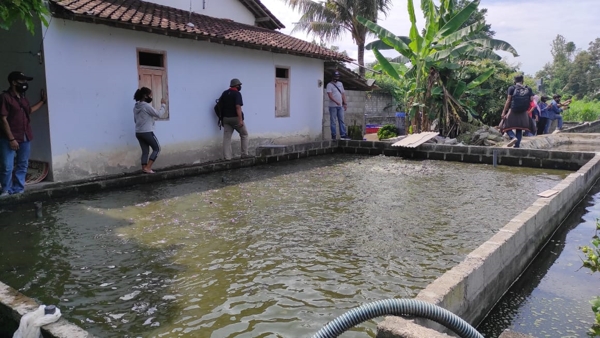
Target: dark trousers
[(541, 125), (148, 140)]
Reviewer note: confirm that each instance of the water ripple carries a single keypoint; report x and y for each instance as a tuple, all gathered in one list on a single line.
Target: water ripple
[(272, 251)]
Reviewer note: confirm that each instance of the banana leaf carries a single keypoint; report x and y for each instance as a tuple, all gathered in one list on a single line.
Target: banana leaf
[(457, 21)]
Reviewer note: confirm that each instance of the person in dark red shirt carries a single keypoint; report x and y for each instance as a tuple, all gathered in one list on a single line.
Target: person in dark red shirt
[(15, 133)]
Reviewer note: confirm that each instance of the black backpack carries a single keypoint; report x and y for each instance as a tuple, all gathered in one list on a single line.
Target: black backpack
[(219, 113), (521, 99)]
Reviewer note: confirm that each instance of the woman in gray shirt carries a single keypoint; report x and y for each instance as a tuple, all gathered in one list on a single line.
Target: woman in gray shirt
[(144, 116)]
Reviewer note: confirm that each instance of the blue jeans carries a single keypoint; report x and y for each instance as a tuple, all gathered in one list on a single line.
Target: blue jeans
[(337, 113), (552, 118), (7, 163), (518, 136)]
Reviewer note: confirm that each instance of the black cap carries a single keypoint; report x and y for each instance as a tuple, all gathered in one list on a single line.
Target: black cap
[(18, 76), (336, 74)]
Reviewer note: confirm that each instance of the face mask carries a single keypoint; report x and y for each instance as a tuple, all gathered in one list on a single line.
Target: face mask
[(239, 88), (22, 87), (148, 100)]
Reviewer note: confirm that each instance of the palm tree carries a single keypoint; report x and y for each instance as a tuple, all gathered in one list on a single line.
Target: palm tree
[(329, 19)]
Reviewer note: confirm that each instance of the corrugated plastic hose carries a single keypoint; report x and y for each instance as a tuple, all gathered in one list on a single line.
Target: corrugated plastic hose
[(397, 307)]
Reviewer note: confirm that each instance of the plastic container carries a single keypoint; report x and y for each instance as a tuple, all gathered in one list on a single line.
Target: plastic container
[(401, 123), (372, 128)]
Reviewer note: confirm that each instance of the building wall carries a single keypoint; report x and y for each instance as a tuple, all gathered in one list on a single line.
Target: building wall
[(18, 51), (227, 9), (354, 113), (379, 104), (92, 75)]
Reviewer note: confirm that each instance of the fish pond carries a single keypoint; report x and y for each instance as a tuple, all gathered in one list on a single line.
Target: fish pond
[(269, 251)]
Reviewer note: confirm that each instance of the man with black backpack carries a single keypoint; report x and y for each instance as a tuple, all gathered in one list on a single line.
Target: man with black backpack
[(232, 118), (518, 100)]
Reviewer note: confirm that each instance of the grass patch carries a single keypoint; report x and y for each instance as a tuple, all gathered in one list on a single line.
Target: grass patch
[(582, 111)]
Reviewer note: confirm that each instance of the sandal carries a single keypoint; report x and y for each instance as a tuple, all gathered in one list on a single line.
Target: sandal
[(148, 171)]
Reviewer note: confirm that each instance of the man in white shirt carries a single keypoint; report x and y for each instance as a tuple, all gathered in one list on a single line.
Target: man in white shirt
[(337, 105)]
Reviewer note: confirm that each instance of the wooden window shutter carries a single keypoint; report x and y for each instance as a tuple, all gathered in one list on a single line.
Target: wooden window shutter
[(282, 97), (156, 80)]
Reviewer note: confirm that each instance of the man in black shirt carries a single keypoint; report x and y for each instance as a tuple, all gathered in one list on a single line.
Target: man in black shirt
[(233, 119)]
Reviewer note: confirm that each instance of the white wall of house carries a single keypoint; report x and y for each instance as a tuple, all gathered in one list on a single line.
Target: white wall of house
[(92, 74), (226, 9), (18, 51)]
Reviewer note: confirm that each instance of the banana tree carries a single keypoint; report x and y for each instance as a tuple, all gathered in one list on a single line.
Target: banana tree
[(434, 56)]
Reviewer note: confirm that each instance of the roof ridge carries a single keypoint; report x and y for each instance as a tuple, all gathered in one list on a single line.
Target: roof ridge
[(265, 9)]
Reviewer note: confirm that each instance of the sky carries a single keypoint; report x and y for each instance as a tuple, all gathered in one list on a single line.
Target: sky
[(528, 25)]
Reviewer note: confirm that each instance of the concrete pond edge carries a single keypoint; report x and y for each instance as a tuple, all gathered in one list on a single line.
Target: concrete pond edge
[(469, 289), (13, 305)]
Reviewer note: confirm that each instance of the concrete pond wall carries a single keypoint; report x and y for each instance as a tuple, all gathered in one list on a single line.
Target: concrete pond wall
[(13, 305), (469, 290), (585, 127)]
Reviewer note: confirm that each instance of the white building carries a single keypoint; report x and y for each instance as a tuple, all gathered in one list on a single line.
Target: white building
[(95, 53)]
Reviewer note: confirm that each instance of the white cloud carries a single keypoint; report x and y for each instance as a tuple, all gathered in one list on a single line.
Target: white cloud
[(528, 25)]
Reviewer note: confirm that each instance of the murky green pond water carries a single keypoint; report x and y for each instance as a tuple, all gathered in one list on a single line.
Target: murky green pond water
[(269, 251)]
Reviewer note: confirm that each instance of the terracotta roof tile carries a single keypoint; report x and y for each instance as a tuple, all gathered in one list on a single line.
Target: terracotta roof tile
[(139, 14)]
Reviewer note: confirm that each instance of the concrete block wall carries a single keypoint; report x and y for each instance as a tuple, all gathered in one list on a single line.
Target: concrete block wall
[(532, 158), (380, 108), (355, 112), (273, 153), (379, 103)]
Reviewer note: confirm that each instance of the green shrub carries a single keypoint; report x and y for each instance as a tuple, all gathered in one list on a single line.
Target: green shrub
[(582, 111), (355, 132), (387, 131)]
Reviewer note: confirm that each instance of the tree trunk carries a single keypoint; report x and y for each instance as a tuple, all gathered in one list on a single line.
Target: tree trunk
[(361, 58)]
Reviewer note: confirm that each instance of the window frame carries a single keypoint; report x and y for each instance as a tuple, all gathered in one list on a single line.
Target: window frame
[(289, 90)]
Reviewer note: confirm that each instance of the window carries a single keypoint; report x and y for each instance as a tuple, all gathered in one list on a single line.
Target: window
[(152, 73), (282, 92)]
